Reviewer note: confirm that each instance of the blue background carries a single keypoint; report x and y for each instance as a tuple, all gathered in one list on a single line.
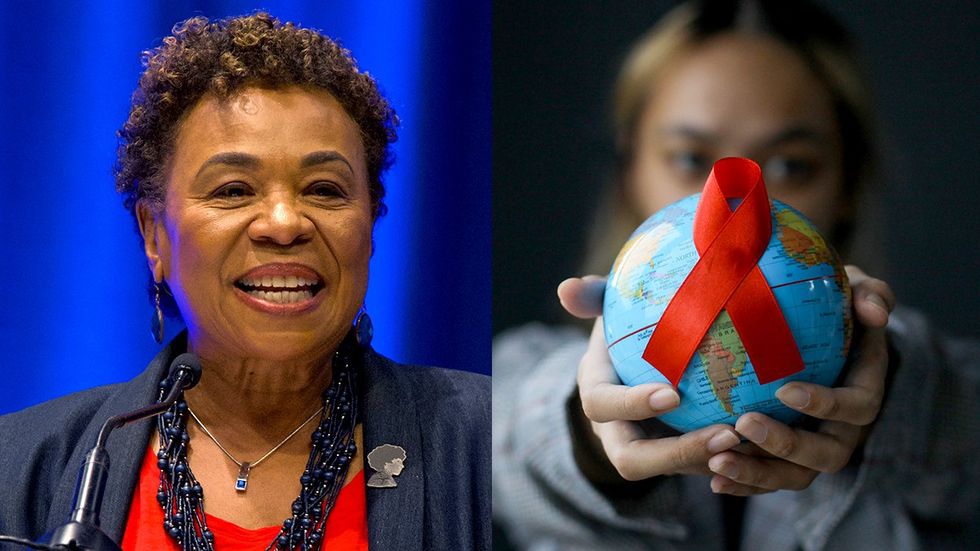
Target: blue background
[(74, 311)]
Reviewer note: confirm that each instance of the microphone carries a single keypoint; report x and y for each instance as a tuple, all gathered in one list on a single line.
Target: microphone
[(82, 529)]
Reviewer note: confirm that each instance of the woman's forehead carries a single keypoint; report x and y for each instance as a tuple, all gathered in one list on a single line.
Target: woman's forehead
[(279, 122), (265, 109), (739, 88)]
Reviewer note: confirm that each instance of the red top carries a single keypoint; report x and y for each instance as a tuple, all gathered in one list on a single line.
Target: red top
[(346, 526)]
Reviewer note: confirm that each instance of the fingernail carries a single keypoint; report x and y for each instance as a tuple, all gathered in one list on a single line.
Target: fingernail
[(716, 485), (793, 396), (754, 431), (724, 468), (877, 301), (722, 441), (664, 398)]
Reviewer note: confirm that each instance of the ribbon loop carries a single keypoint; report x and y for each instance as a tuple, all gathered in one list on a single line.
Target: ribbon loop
[(727, 276)]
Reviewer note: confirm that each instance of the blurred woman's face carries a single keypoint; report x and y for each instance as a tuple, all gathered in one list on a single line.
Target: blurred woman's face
[(744, 96), (265, 236)]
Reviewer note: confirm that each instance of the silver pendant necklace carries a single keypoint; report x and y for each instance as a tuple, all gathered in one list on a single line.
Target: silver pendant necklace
[(245, 467)]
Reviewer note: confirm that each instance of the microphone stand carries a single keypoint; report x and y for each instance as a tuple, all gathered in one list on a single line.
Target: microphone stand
[(82, 530)]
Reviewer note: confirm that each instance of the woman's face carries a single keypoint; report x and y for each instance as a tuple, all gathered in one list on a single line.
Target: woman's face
[(395, 466), (265, 236), (744, 96)]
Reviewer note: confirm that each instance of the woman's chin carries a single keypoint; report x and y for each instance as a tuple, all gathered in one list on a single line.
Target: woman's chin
[(273, 328)]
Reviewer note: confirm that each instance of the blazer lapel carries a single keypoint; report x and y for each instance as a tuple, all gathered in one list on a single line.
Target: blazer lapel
[(126, 447), (395, 515)]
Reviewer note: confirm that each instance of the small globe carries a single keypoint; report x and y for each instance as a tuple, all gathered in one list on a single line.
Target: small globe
[(719, 384)]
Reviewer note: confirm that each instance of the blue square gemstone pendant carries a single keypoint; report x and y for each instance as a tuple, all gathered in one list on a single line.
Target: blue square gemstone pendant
[(241, 483)]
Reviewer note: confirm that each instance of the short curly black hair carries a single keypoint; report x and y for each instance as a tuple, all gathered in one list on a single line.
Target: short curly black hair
[(222, 57)]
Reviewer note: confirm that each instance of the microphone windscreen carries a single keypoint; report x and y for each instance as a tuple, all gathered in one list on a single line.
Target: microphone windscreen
[(189, 363)]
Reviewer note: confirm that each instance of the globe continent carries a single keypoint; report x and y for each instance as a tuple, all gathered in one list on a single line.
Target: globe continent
[(719, 384)]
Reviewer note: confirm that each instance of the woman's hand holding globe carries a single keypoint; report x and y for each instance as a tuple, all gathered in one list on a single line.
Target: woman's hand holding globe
[(776, 456)]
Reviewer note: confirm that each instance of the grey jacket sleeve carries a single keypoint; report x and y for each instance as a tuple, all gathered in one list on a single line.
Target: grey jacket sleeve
[(540, 497), (915, 485)]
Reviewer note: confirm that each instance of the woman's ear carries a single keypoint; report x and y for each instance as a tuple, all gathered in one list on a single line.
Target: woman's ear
[(150, 222)]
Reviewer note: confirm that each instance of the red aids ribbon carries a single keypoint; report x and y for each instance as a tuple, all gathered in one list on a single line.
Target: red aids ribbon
[(727, 276)]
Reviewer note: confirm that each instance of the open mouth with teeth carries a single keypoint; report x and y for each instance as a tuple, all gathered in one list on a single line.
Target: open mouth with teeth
[(280, 289)]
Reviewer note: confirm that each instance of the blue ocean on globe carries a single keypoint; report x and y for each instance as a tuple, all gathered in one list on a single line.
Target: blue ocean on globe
[(806, 277)]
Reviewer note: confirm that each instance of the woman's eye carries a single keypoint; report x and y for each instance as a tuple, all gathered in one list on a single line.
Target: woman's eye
[(325, 189), (788, 169), (690, 162), (234, 190), (689, 168)]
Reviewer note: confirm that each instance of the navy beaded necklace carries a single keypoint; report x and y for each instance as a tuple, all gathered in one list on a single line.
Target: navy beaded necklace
[(182, 498)]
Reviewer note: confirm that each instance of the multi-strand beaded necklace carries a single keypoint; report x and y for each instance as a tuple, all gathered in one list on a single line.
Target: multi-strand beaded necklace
[(182, 497)]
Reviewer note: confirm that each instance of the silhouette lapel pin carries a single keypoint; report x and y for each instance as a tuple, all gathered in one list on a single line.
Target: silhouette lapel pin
[(387, 460)]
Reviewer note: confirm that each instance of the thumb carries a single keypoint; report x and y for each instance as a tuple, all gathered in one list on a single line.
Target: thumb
[(582, 296)]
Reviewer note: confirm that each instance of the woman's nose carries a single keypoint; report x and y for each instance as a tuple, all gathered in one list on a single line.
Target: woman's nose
[(281, 222)]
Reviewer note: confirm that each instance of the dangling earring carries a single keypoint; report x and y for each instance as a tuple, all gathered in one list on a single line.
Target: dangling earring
[(156, 322), (363, 328)]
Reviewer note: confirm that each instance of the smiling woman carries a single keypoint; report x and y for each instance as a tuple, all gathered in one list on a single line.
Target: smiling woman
[(252, 163), (268, 184)]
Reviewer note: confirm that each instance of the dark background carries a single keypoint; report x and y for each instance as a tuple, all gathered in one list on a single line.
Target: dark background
[(74, 311), (554, 65)]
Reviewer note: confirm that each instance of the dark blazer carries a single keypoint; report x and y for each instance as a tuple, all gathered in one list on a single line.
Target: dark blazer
[(441, 417)]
